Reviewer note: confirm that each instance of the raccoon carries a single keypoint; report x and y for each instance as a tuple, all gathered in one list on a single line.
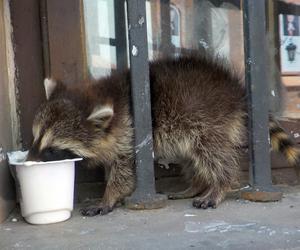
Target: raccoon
[(199, 120)]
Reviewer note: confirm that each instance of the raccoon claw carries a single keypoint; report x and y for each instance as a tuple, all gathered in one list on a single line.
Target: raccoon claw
[(204, 203), (92, 211)]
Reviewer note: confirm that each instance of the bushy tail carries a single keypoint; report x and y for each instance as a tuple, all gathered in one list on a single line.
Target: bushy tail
[(282, 142)]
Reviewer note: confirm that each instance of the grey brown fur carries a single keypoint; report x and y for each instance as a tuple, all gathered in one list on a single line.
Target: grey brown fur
[(199, 120)]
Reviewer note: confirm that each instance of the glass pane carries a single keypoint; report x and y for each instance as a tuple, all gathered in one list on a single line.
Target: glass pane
[(184, 25), (215, 26), (288, 17), (173, 26), (99, 25), (106, 32), (284, 34)]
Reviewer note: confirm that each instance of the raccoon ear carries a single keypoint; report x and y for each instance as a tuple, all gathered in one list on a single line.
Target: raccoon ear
[(50, 86), (101, 116)]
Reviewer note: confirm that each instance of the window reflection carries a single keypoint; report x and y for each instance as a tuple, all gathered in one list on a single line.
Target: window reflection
[(172, 26), (215, 26), (99, 19), (289, 49), (194, 24), (175, 25)]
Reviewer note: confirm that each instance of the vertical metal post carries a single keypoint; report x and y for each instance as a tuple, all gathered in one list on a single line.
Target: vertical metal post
[(202, 31), (45, 37), (120, 34), (258, 102), (166, 47), (144, 197)]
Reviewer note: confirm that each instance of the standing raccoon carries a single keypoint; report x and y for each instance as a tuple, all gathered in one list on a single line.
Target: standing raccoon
[(199, 119)]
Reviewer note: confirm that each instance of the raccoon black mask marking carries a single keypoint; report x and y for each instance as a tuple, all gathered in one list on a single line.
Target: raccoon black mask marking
[(51, 154)]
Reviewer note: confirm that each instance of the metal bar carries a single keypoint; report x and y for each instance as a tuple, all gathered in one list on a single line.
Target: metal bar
[(166, 47), (45, 37), (202, 31), (256, 68), (120, 34), (257, 88), (144, 196), (140, 90)]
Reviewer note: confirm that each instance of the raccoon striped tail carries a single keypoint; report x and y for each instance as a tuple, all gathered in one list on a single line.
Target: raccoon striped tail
[(282, 142)]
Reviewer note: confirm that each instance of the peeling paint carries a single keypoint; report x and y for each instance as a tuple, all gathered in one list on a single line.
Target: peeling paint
[(273, 93), (250, 61), (134, 50), (146, 141), (2, 155), (204, 44), (141, 21)]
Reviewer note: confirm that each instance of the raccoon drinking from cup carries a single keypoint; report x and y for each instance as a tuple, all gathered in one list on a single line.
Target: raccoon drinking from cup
[(199, 119)]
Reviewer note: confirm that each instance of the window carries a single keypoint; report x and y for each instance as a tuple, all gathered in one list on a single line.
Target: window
[(175, 25), (89, 38)]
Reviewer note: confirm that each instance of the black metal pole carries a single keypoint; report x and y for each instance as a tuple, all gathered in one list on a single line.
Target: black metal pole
[(120, 34), (166, 47), (144, 197), (45, 37), (256, 70)]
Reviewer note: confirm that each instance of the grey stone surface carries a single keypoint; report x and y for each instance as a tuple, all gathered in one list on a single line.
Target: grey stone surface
[(235, 224)]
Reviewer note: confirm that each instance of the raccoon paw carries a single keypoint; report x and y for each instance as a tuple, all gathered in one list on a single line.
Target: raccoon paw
[(204, 203), (95, 210)]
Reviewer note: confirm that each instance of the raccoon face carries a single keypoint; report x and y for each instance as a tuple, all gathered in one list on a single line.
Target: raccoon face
[(53, 127), (61, 130)]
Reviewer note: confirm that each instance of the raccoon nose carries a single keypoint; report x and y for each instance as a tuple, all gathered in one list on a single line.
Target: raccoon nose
[(53, 154), (49, 154), (32, 156)]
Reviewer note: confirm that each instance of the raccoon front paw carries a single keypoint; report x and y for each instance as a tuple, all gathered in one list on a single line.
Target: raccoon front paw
[(204, 203), (95, 210)]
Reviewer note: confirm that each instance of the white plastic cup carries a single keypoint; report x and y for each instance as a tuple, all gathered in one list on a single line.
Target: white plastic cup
[(46, 189)]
